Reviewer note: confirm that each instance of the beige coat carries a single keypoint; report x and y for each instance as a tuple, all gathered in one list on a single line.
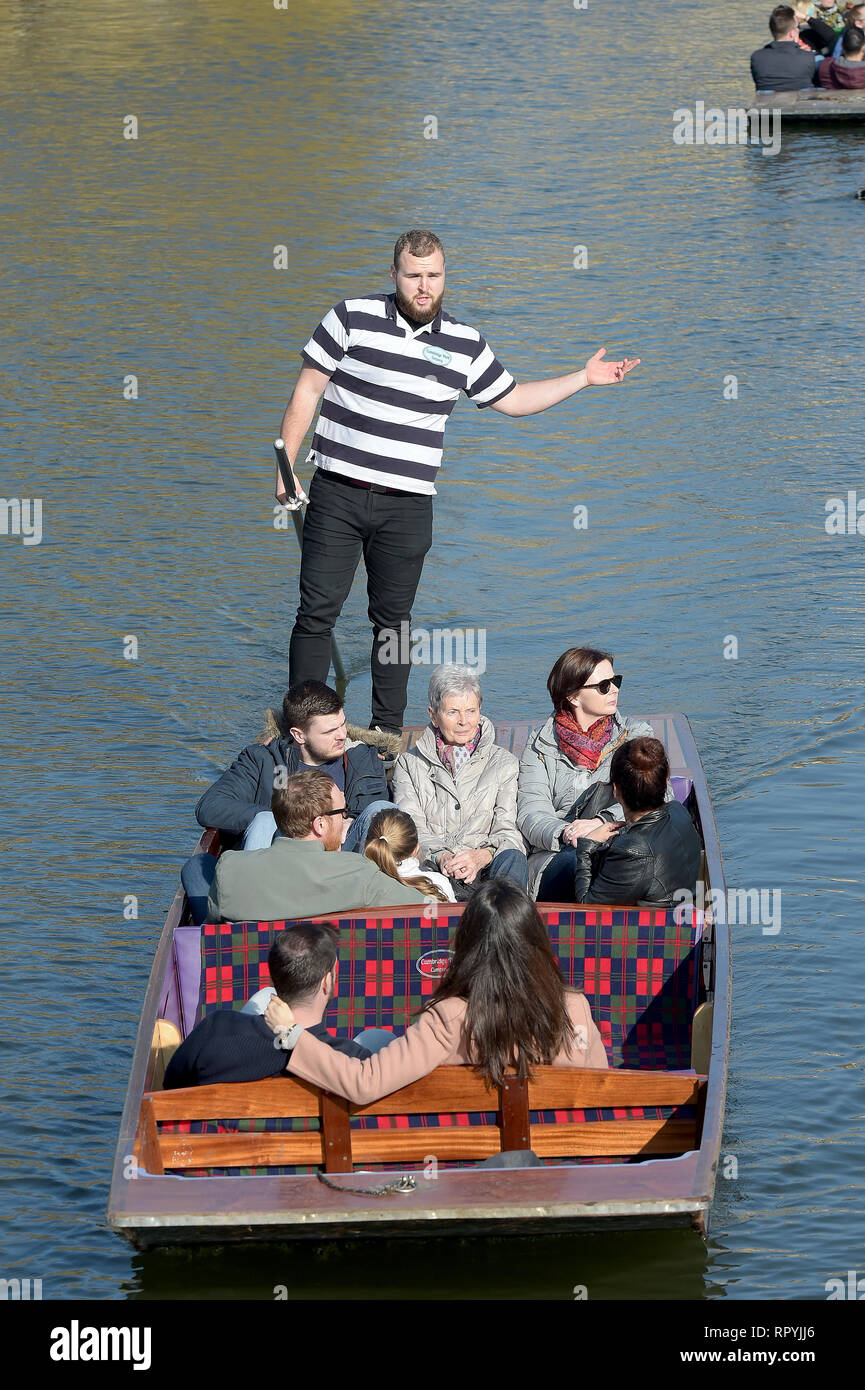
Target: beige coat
[(477, 811), (438, 1038)]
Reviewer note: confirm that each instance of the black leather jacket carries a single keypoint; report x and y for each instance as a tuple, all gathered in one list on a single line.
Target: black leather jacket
[(644, 865)]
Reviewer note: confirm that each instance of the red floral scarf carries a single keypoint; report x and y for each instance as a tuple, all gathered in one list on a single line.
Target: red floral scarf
[(583, 747)]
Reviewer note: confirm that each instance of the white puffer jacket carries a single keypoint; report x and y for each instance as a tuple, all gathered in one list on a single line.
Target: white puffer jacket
[(478, 810)]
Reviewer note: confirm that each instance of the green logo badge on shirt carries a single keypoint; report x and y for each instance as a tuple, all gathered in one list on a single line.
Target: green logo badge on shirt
[(437, 355)]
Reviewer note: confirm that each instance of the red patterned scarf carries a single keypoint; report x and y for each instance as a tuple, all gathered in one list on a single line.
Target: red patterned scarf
[(583, 747)]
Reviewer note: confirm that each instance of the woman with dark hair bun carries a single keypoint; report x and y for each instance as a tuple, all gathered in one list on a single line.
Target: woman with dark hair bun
[(656, 853), (501, 1003), (564, 786)]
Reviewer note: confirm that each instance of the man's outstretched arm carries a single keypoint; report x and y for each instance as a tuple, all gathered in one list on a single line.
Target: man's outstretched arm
[(298, 418), (530, 397)]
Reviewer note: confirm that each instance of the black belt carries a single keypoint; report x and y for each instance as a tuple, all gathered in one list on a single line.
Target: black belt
[(367, 487)]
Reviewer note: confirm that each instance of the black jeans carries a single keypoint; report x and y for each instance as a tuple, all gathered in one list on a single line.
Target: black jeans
[(394, 533)]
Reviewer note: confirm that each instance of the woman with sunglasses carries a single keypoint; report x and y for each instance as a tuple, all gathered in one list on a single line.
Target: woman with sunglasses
[(564, 787)]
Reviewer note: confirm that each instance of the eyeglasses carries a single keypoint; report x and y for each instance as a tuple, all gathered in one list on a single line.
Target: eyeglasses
[(340, 811), (603, 687)]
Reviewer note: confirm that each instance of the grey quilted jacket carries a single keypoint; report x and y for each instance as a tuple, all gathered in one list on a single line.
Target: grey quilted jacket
[(475, 811), (550, 783)]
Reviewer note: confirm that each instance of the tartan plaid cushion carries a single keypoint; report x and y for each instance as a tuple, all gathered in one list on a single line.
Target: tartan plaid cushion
[(387, 967), (638, 967)]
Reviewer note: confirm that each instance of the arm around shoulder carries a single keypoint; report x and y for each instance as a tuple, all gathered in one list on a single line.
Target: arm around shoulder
[(433, 1040)]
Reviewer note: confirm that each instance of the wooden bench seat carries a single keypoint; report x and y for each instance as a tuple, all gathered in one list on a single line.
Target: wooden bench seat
[(337, 1147)]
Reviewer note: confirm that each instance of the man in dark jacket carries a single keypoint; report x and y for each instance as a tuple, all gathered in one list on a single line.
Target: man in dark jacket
[(848, 71), (313, 716), (782, 66), (231, 1045), (655, 853)]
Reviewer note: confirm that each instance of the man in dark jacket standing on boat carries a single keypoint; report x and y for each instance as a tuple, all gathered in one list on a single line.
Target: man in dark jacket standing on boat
[(390, 368)]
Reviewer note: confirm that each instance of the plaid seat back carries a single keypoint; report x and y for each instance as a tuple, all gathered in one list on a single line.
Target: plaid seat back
[(387, 966), (638, 968)]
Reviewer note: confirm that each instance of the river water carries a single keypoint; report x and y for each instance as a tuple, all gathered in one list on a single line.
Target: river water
[(706, 565)]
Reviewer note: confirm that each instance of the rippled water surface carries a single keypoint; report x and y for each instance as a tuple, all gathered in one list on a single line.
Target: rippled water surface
[(154, 257)]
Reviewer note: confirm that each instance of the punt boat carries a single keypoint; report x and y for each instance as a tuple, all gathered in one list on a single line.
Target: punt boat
[(277, 1160)]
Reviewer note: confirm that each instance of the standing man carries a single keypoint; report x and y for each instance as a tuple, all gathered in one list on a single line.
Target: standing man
[(390, 368)]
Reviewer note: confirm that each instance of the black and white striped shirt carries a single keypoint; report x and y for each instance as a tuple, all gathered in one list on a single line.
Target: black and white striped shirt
[(392, 387)]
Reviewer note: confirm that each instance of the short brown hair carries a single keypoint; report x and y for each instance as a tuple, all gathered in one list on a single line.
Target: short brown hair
[(570, 673), (417, 243), (296, 805), (781, 21), (304, 702), (300, 957), (640, 770)]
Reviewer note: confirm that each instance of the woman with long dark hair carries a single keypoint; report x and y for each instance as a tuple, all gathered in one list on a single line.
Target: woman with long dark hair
[(502, 1003)]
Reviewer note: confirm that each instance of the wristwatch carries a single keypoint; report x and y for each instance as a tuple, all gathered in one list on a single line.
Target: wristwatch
[(288, 1038)]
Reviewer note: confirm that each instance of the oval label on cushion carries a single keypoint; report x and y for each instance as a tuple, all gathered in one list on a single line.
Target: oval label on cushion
[(434, 964), (437, 355)]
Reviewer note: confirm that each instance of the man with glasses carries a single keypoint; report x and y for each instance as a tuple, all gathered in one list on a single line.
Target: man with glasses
[(782, 66), (299, 875)]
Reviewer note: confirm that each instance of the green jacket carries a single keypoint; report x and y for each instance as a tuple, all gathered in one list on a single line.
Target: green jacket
[(299, 878)]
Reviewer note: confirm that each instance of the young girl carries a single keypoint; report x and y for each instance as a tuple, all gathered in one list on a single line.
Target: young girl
[(392, 845)]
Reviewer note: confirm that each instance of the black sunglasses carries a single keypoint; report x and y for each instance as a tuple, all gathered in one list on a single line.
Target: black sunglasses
[(340, 811), (604, 686)]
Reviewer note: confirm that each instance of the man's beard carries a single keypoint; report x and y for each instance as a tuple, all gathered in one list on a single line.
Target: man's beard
[(419, 314)]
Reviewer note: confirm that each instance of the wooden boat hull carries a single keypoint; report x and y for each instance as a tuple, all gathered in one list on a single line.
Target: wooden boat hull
[(156, 1210), (815, 104)]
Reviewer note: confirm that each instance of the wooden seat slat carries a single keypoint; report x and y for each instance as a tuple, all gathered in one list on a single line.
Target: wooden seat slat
[(606, 1138), (448, 1089)]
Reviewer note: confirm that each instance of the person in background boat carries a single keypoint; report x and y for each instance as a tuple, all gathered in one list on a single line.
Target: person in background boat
[(233, 1046), (390, 369), (816, 31), (299, 875), (312, 735), (848, 71), (655, 853), (855, 18), (782, 66), (392, 845), (502, 1002), (564, 782), (460, 788)]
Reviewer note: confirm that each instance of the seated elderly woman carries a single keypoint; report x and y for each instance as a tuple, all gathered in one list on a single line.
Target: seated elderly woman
[(656, 853), (460, 789), (564, 785)]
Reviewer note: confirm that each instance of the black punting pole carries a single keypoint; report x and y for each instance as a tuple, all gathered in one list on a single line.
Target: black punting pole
[(296, 508)]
